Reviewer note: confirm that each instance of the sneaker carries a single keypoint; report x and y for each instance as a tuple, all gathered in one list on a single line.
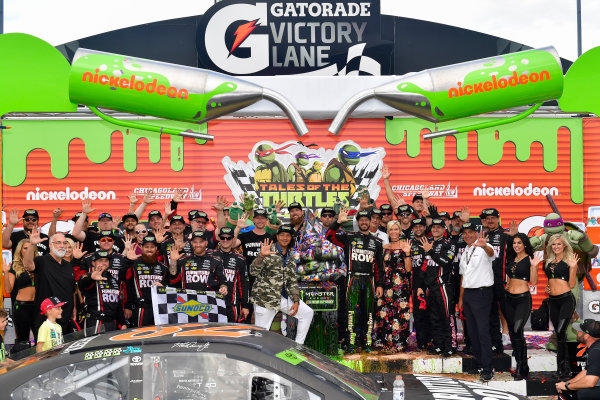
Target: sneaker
[(449, 353), (473, 371), (436, 351), (505, 339), (486, 376)]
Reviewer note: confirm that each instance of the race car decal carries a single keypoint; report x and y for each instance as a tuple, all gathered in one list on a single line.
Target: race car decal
[(201, 330)]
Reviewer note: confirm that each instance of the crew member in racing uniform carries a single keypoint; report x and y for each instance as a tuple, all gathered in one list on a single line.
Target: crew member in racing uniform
[(417, 253), (200, 271), (364, 257), (439, 257), (143, 272), (101, 291), (235, 271)]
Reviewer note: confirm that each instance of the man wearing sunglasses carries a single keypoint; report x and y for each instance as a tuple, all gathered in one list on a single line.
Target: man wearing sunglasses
[(198, 222), (387, 214), (405, 216), (90, 238), (236, 277), (30, 220)]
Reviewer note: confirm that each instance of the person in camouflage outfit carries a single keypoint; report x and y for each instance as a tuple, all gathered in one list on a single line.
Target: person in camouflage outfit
[(276, 285)]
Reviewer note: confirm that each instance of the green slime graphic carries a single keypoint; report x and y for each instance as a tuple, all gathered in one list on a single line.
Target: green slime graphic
[(499, 99), (490, 151), (582, 84), (55, 136), (194, 108)]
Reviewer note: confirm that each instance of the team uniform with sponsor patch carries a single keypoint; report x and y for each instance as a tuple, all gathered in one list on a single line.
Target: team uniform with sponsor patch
[(235, 272), (421, 319), (167, 246), (364, 258), (139, 278), (202, 273), (103, 303), (438, 269)]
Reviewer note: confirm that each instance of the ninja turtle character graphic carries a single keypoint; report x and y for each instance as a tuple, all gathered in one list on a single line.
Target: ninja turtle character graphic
[(338, 170), (269, 170), (297, 171)]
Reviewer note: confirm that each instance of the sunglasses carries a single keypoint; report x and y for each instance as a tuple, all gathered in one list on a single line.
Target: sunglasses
[(167, 227), (106, 239), (226, 237), (386, 213), (404, 214), (30, 219), (144, 231)]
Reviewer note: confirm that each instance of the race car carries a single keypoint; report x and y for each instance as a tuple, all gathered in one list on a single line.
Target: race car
[(208, 361)]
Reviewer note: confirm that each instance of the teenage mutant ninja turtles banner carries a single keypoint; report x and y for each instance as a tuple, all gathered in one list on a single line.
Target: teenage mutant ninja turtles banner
[(57, 163)]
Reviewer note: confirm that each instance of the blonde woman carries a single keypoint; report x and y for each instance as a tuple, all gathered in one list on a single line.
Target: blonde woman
[(20, 283), (560, 266), (392, 320)]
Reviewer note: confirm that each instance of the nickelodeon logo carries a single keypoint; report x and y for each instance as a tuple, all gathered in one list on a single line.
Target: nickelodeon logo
[(496, 84), (132, 84)]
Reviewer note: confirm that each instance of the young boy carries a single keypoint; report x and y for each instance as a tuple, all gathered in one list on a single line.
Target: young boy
[(50, 333), (3, 321)]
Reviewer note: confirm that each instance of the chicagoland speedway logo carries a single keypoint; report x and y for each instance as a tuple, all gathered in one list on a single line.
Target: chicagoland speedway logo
[(70, 194), (281, 38), (493, 191)]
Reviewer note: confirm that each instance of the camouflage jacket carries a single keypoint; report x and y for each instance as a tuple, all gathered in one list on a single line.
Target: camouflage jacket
[(270, 275)]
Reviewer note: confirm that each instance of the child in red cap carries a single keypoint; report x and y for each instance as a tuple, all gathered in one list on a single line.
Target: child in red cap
[(50, 333)]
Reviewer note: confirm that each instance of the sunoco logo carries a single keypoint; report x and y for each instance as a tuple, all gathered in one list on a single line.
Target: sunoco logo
[(246, 37), (192, 308)]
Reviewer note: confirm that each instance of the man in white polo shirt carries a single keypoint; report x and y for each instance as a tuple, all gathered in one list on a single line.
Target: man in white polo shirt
[(476, 294)]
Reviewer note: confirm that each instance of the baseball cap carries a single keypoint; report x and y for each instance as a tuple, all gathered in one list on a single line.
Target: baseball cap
[(419, 221), (76, 217), (126, 216), (200, 234), (149, 239), (260, 212), (487, 212), (361, 214), (375, 211), (456, 214), (328, 210), (31, 213), (225, 231), (100, 254), (49, 303), (286, 229), (443, 214), (105, 215), (418, 196), (153, 213), (588, 326), (108, 233), (295, 204), (386, 207), (177, 218), (404, 208), (438, 222), (192, 215), (468, 225)]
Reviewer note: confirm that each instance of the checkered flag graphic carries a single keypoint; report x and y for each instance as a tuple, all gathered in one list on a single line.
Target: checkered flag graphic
[(356, 63), (172, 306)]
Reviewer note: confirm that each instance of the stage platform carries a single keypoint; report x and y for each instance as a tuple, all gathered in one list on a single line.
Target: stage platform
[(542, 365)]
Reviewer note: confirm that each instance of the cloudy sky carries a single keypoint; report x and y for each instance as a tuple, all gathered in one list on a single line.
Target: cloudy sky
[(535, 23)]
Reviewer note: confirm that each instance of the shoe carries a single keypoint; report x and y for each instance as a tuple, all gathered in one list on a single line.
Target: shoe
[(498, 349), (436, 351), (486, 376), (505, 339), (449, 353), (563, 364), (473, 371), (520, 350)]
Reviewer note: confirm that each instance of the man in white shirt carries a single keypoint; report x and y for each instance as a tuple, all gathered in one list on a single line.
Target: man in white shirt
[(476, 294)]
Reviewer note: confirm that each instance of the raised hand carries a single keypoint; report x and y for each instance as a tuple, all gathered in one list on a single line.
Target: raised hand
[(279, 205), (221, 203), (86, 206), (132, 197), (35, 238), (13, 217), (425, 193), (178, 196), (364, 202), (130, 253), (433, 211), (242, 220), (265, 248), (406, 246), (397, 201), (465, 214), (513, 228), (97, 274), (425, 244), (159, 234), (5, 268), (385, 172), (482, 241), (168, 209), (115, 222), (57, 212), (175, 255), (535, 260), (148, 197), (573, 260), (78, 250), (343, 215)]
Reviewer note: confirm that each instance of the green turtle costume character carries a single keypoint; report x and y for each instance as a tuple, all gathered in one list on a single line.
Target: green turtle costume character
[(314, 174), (338, 170), (296, 171), (582, 245), (269, 170)]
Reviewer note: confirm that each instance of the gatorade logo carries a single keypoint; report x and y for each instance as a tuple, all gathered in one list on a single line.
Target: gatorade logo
[(594, 306), (497, 84)]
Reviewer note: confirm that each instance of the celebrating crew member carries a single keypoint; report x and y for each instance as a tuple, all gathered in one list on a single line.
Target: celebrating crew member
[(364, 258), (200, 271), (89, 237), (101, 292), (142, 273), (177, 240), (417, 253), (236, 277), (30, 221), (276, 287), (438, 267)]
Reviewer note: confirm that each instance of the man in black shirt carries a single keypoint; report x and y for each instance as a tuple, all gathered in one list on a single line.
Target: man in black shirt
[(53, 276), (30, 222), (417, 254), (586, 384), (90, 238)]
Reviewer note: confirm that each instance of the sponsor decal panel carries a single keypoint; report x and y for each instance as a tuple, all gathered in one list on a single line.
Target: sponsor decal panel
[(486, 190)]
